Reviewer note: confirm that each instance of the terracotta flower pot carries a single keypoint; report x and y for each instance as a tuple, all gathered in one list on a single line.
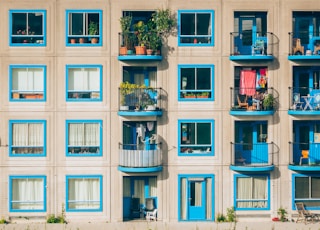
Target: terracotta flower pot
[(123, 51), (140, 50)]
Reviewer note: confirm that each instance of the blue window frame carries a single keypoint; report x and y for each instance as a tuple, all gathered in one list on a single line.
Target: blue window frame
[(27, 193), (306, 189), (84, 27), (196, 27), (196, 82), (84, 138), (196, 197), (252, 192), (27, 138), (27, 83), (196, 137), (27, 27), (84, 83), (84, 193)]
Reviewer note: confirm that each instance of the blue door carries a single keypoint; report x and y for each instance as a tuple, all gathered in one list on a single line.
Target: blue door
[(303, 29), (247, 31), (196, 199)]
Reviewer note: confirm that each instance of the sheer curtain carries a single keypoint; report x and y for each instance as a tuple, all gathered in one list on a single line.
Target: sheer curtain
[(27, 194), (139, 190), (126, 187), (84, 134), (153, 186), (84, 79), (209, 198), (27, 134), (28, 79), (84, 193), (183, 198), (250, 189)]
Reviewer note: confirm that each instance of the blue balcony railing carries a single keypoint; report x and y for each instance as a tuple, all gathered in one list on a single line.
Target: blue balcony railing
[(252, 155), (302, 154)]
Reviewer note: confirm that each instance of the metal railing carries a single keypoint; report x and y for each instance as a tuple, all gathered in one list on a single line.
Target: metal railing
[(304, 98), (304, 153), (243, 99), (252, 44), (140, 99), (252, 155), (304, 43), (140, 156)]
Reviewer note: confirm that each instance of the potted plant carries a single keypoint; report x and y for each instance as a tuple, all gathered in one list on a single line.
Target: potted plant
[(93, 30), (140, 30), (125, 23), (189, 95), (126, 88), (268, 102), (203, 95)]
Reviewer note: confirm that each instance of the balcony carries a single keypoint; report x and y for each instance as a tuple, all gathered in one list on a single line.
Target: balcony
[(243, 105), (140, 101), (248, 47), (304, 156), (140, 158), (252, 157), (130, 51), (304, 101), (304, 47)]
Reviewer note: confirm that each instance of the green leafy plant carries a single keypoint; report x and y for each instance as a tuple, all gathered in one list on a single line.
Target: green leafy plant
[(61, 219), (221, 218), (93, 28), (125, 23), (231, 214), (282, 213), (268, 101), (3, 221)]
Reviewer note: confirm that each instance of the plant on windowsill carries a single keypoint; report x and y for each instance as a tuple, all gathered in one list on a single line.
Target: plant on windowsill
[(203, 95), (125, 23), (93, 30), (189, 95)]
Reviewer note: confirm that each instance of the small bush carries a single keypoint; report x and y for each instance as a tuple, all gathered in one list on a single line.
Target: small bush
[(221, 218), (231, 215), (52, 219)]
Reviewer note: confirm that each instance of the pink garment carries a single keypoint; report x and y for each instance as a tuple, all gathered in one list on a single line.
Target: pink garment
[(247, 82)]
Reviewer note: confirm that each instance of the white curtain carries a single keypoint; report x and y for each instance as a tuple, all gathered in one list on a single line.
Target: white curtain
[(153, 79), (126, 187), (28, 79), (81, 134), (139, 79), (139, 190), (209, 198), (198, 193), (251, 188), (84, 193), (183, 199), (84, 79), (28, 134), (27, 193)]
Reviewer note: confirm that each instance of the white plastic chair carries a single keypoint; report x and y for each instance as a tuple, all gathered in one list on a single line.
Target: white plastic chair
[(151, 215)]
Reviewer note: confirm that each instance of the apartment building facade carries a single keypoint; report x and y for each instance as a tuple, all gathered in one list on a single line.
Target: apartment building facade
[(226, 115)]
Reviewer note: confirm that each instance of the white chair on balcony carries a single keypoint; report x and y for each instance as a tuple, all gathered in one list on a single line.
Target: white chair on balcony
[(297, 104)]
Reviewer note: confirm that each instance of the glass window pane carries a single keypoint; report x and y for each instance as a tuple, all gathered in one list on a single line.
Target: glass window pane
[(76, 24), (203, 24), (204, 133), (301, 187), (187, 24), (203, 78), (35, 26), (315, 187)]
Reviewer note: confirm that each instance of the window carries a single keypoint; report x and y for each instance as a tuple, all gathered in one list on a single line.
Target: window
[(84, 83), (306, 189), (84, 138), (84, 193), (196, 197), (84, 27), (27, 83), (196, 28), (27, 193), (252, 192), (27, 138), (196, 82), (27, 27), (196, 137)]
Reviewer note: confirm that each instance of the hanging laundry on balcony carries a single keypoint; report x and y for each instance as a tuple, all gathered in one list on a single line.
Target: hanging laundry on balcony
[(248, 82)]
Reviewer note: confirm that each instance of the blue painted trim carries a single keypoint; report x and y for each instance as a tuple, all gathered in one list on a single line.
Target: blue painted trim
[(197, 66), (44, 27), (84, 177), (250, 176), (83, 11), (140, 170), (303, 57), (304, 168), (140, 58), (308, 175), (44, 122), (251, 58), (251, 113), (212, 42), (212, 193), (266, 168), (304, 112), (44, 67), (140, 113), (85, 67), (43, 177), (85, 122), (212, 122)]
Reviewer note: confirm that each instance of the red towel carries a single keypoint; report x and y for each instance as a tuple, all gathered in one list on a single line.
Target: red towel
[(248, 82)]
